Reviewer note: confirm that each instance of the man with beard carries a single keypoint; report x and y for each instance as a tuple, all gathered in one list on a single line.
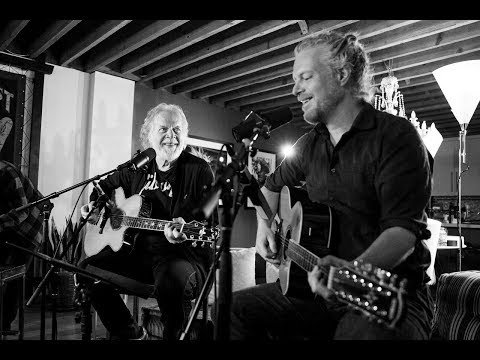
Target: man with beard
[(173, 185), (372, 169)]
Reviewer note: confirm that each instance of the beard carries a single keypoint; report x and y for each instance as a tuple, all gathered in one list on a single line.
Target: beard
[(319, 112), (169, 153)]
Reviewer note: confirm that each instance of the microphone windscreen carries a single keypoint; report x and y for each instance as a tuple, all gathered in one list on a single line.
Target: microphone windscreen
[(150, 153)]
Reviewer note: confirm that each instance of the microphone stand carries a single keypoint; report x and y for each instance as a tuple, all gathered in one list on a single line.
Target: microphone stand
[(220, 189), (41, 286)]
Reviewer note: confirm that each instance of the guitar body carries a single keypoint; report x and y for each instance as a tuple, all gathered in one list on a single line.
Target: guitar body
[(114, 232), (303, 236), (305, 223)]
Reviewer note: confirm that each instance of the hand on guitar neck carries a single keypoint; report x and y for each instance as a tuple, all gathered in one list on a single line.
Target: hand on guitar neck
[(317, 278), (172, 234)]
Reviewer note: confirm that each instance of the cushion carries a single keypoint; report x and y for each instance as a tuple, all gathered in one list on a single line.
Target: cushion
[(457, 306), (243, 270)]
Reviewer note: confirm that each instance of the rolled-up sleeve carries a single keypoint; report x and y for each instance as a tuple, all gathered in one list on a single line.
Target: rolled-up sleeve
[(403, 181)]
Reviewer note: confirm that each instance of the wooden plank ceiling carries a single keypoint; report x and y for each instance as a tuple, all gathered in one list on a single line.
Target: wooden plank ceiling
[(246, 65)]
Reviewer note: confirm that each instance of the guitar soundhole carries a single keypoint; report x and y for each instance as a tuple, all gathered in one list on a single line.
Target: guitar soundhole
[(116, 219), (285, 245)]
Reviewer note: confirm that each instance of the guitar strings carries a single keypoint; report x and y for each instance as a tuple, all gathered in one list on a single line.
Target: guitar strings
[(305, 255)]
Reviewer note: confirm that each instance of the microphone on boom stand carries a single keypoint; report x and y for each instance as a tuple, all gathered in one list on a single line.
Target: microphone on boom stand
[(246, 133)]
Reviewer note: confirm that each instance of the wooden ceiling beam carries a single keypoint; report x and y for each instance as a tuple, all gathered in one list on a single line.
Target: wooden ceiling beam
[(431, 55), (447, 37), (271, 104), (50, 36), (90, 40), (303, 26), (255, 32), (427, 69), (264, 96), (261, 76), (367, 28), (235, 72), (412, 32), (407, 82), (11, 31), (139, 59), (222, 61), (113, 49), (254, 89), (420, 89), (26, 63)]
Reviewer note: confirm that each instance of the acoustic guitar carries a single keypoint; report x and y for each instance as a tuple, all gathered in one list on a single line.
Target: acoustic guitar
[(112, 227), (304, 238)]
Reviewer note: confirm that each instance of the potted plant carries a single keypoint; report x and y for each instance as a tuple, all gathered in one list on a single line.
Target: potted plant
[(69, 246)]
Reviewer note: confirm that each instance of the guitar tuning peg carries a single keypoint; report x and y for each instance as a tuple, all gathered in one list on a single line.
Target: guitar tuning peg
[(194, 244)]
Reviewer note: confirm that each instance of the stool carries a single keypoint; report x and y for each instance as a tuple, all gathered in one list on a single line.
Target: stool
[(130, 287), (8, 274), (125, 286)]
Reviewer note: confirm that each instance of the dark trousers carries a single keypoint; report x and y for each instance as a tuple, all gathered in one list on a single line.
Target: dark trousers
[(264, 313), (177, 283)]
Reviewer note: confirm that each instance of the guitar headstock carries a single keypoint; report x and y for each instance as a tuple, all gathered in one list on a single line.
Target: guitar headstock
[(375, 292), (198, 232)]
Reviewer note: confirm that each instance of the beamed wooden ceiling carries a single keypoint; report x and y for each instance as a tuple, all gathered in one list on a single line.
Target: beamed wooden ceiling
[(246, 65)]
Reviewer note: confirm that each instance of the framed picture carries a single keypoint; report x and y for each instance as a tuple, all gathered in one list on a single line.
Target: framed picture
[(261, 165), (209, 151)]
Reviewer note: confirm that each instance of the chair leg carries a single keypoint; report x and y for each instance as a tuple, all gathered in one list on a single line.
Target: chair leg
[(135, 308), (21, 308)]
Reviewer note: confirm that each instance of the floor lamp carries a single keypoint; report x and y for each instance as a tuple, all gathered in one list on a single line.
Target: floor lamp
[(459, 83)]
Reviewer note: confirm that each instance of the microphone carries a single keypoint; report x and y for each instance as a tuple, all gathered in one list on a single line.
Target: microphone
[(139, 160), (263, 124)]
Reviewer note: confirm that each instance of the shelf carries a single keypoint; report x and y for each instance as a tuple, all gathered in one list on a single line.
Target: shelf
[(464, 226), (450, 247)]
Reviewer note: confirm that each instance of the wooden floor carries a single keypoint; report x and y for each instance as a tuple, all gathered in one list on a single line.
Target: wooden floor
[(67, 327)]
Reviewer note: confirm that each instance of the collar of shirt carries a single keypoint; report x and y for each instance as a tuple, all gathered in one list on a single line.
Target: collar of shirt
[(365, 120)]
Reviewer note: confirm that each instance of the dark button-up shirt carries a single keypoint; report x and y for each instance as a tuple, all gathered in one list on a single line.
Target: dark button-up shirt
[(378, 176)]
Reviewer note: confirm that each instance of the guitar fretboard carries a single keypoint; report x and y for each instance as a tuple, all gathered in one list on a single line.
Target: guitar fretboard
[(148, 224), (301, 256), (194, 231)]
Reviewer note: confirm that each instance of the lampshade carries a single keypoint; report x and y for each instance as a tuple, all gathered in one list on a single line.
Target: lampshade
[(460, 83)]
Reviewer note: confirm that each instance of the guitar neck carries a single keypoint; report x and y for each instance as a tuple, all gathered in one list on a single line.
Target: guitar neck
[(300, 256), (145, 223)]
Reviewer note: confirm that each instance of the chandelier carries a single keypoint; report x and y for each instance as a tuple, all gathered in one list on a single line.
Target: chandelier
[(391, 101)]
